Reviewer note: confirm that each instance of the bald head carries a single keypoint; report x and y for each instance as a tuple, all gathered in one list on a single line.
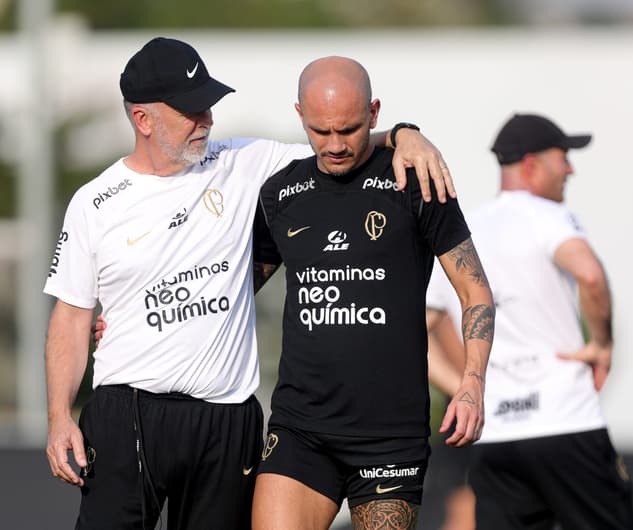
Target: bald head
[(329, 76), (337, 112)]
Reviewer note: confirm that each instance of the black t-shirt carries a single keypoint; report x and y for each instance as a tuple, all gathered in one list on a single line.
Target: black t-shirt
[(358, 257)]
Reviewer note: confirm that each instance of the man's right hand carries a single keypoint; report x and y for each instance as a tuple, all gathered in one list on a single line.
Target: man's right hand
[(97, 330), (64, 436), (66, 359)]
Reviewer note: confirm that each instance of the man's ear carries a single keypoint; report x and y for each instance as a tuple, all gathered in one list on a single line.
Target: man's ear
[(530, 172), (142, 119), (299, 111), (374, 110), (528, 164)]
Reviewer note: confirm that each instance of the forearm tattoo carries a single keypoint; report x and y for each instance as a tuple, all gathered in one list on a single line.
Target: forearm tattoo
[(467, 261), (261, 273), (390, 514), (478, 322), (476, 376)]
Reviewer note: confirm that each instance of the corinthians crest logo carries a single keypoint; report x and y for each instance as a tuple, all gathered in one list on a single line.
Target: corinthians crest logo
[(214, 201), (271, 443), (375, 223)]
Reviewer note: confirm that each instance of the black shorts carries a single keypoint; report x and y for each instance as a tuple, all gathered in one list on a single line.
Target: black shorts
[(200, 456), (359, 468), (576, 480)]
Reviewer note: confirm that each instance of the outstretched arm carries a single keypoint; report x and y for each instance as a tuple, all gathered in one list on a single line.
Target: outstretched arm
[(577, 258), (466, 409), (66, 359), (413, 149)]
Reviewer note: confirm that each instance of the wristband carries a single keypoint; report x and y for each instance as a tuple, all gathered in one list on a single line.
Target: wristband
[(397, 127)]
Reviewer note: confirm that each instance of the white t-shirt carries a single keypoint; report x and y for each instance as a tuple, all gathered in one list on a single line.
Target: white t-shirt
[(170, 261), (529, 392)]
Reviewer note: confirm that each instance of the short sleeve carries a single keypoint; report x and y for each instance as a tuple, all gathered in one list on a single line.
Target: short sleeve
[(264, 247), (556, 225), (72, 276), (442, 224)]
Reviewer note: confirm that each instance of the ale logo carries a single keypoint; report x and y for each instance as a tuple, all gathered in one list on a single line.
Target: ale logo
[(336, 240)]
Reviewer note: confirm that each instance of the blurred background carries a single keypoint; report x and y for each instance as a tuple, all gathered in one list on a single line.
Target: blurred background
[(458, 68)]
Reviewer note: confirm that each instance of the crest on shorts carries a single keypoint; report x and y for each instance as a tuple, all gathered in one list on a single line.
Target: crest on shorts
[(620, 467), (271, 443)]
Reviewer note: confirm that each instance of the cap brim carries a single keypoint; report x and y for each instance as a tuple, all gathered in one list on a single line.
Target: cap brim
[(577, 141), (200, 98)]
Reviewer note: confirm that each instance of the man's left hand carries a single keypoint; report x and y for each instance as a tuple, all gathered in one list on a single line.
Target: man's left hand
[(595, 355), (465, 412)]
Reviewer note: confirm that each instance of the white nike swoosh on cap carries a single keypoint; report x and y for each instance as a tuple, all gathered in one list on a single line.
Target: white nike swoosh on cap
[(193, 72)]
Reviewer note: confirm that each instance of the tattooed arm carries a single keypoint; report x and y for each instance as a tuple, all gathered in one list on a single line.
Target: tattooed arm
[(466, 410), (261, 273)]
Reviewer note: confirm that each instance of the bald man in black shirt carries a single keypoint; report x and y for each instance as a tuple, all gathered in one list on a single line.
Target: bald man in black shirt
[(350, 412)]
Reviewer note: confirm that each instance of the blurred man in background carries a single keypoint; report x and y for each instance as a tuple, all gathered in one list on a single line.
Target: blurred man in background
[(545, 456)]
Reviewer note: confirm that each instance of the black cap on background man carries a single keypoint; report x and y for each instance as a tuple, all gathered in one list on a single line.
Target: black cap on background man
[(171, 71), (530, 133)]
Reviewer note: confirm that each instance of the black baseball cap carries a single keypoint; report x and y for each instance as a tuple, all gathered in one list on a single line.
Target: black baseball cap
[(530, 133), (172, 72)]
